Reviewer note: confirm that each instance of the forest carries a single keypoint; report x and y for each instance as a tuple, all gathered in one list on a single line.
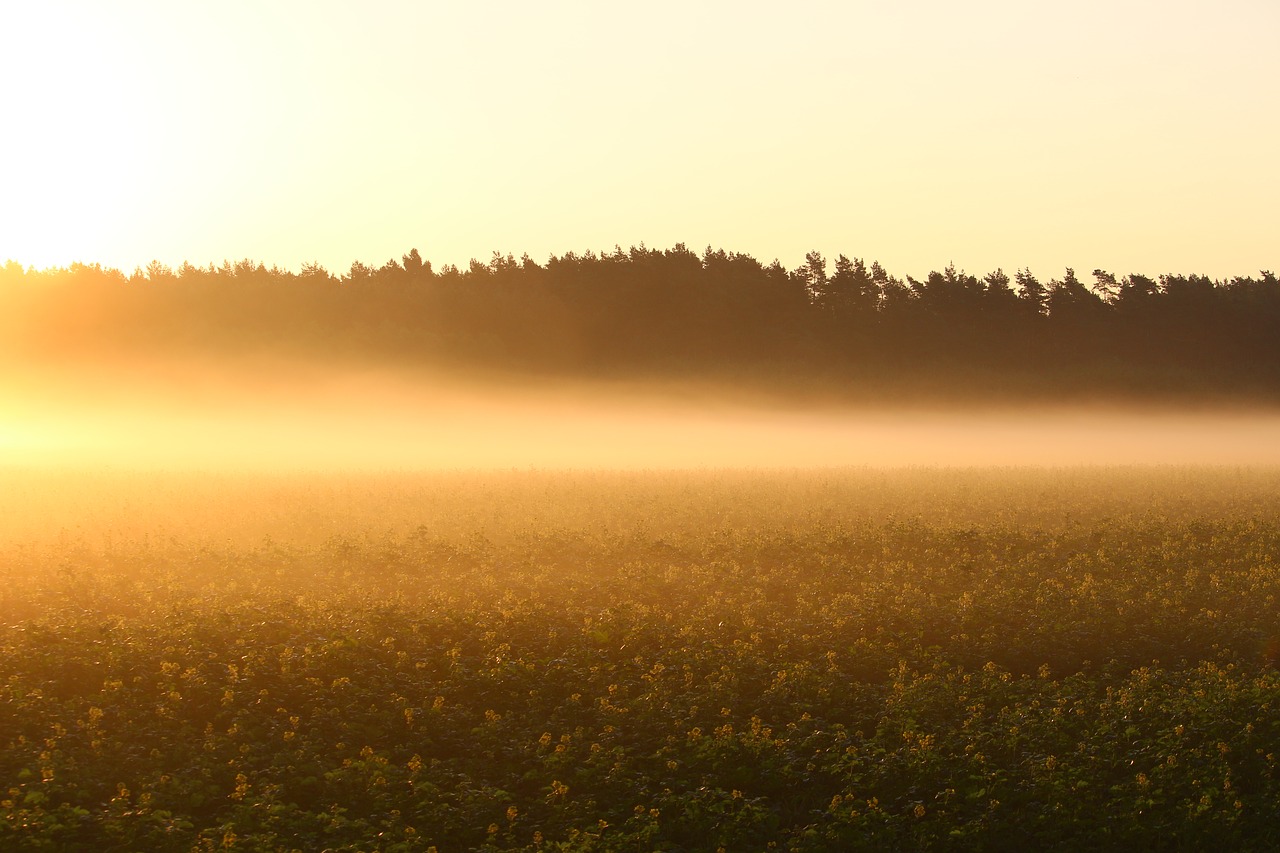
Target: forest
[(845, 329)]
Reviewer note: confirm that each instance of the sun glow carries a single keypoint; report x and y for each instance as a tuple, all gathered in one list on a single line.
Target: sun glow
[(26, 442), (290, 132), (81, 145), (197, 419)]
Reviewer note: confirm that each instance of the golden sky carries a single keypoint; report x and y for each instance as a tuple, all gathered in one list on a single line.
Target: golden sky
[(1133, 136)]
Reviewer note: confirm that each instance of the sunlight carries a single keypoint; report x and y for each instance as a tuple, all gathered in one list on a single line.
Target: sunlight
[(18, 442), (364, 420), (76, 152), (380, 445)]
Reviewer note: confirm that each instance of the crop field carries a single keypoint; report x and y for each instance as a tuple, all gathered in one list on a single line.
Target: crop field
[(958, 659)]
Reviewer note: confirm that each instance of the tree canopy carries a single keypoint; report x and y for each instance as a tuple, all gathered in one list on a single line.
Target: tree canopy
[(848, 327)]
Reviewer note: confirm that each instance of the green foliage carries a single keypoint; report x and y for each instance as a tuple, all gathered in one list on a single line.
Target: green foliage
[(1029, 660)]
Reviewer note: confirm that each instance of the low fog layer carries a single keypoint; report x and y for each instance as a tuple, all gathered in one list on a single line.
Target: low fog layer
[(260, 419)]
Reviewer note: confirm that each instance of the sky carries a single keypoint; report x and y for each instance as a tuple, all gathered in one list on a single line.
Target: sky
[(1130, 136)]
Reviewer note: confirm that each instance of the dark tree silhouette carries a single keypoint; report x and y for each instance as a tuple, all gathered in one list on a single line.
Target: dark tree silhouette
[(674, 314)]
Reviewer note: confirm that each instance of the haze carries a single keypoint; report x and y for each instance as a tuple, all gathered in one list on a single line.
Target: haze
[(1126, 135), (1122, 136), (202, 419)]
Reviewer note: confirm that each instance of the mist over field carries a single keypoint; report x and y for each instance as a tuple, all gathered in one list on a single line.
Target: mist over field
[(595, 428), (269, 417), (241, 598)]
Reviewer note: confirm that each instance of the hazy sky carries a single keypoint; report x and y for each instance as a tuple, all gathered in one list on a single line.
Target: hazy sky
[(1133, 136)]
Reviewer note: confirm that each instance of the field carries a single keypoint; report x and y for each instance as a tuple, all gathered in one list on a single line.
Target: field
[(1073, 658)]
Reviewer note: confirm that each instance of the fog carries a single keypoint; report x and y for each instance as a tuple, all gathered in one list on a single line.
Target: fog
[(259, 417)]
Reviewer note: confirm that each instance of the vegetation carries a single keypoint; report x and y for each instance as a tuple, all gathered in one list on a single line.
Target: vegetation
[(852, 330), (1023, 659)]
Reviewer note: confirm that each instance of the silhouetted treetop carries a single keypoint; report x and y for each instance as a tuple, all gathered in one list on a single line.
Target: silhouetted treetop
[(844, 326)]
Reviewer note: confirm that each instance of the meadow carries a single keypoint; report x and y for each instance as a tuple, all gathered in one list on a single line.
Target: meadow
[(961, 659)]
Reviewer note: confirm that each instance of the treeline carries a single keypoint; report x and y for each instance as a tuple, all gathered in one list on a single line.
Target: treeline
[(844, 327)]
